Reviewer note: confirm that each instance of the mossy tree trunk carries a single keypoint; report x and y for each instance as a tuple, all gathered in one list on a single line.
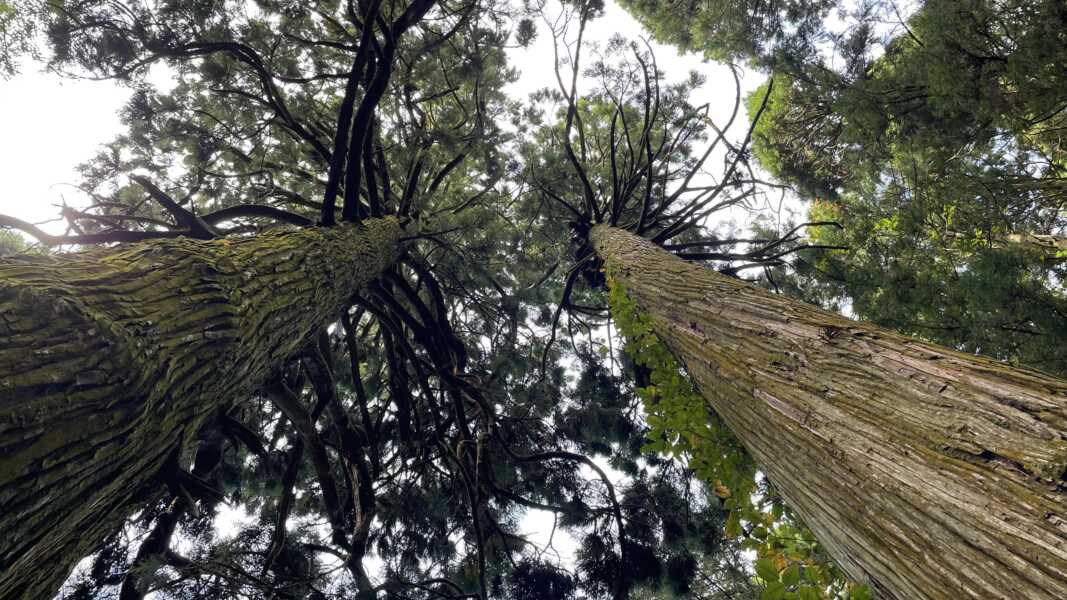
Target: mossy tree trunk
[(927, 473), (112, 358)]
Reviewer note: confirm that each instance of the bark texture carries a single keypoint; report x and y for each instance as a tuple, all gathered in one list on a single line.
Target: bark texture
[(110, 359), (926, 472)]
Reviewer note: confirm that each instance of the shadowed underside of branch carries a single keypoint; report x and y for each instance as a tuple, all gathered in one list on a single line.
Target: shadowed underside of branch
[(110, 359)]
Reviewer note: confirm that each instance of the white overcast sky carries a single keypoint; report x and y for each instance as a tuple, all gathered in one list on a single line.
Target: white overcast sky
[(47, 126)]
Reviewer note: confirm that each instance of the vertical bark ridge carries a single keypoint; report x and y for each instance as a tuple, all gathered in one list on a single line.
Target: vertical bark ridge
[(926, 472), (111, 357)]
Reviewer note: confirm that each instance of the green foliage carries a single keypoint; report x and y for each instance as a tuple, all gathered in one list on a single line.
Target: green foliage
[(532, 580), (955, 95), (933, 150), (727, 31), (11, 243), (935, 155), (799, 138), (790, 562), (18, 31), (973, 294), (680, 422)]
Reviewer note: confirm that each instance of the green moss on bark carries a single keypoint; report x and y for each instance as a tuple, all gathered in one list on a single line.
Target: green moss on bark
[(684, 426), (112, 357), (925, 472)]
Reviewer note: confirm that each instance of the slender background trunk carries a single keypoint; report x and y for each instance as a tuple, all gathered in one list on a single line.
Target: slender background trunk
[(925, 472), (111, 359)]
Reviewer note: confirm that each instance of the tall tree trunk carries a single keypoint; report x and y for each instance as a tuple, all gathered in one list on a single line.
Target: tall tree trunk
[(110, 360), (926, 472)]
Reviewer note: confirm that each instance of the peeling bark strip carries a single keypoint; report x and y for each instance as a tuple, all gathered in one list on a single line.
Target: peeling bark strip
[(111, 357), (927, 473)]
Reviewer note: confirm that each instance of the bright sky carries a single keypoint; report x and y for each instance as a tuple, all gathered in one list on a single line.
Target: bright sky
[(535, 62), (51, 124)]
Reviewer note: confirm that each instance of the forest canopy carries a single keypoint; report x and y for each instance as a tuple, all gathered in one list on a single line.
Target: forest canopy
[(340, 317)]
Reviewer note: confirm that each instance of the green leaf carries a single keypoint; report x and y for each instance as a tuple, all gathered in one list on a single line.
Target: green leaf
[(766, 570), (733, 526), (861, 592), (774, 591), (791, 576)]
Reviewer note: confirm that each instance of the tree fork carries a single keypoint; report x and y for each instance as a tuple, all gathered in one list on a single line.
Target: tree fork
[(112, 357), (926, 473)]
